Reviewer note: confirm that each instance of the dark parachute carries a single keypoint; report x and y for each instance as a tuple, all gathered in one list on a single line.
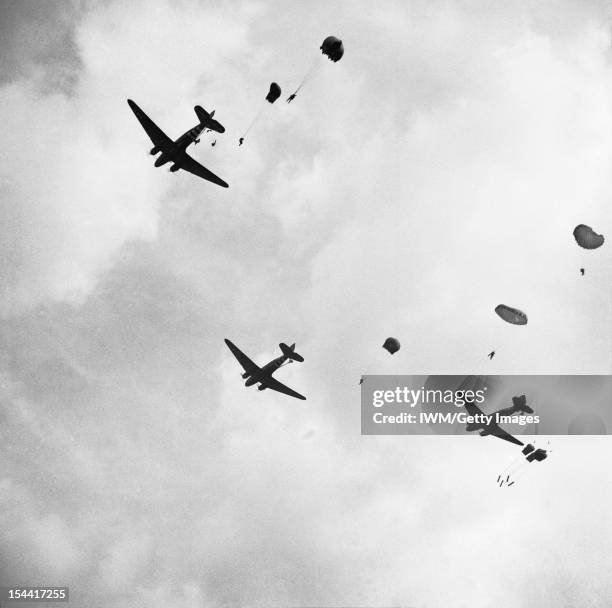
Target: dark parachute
[(333, 48), (538, 455), (528, 449), (587, 238), (392, 345), (511, 315), (273, 93), (271, 97)]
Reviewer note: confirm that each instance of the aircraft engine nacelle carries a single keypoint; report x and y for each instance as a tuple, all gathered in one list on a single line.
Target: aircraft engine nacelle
[(154, 150), (174, 168), (261, 387)]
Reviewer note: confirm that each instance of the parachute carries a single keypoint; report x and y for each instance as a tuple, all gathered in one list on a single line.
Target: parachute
[(273, 93), (528, 449), (538, 455), (587, 238), (391, 345), (271, 97), (511, 315), (333, 48), (519, 467)]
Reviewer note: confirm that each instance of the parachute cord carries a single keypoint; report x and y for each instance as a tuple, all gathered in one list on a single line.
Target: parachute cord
[(316, 65), (254, 120), (522, 471), (513, 464), (367, 369), (377, 361)]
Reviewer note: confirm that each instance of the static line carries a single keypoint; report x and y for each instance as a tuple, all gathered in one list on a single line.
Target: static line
[(316, 65), (253, 121)]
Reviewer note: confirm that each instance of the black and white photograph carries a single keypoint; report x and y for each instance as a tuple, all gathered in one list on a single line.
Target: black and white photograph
[(305, 303)]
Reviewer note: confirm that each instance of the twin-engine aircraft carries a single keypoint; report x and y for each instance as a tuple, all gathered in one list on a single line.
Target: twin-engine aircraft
[(254, 374), (176, 151)]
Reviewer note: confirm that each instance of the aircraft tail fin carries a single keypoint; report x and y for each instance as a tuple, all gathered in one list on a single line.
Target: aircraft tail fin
[(207, 119), (289, 352), (201, 113)]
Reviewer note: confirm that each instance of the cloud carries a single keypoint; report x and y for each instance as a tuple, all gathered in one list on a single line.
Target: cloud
[(72, 195), (436, 171)]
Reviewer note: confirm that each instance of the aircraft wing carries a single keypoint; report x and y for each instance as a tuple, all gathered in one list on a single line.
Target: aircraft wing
[(493, 429), (193, 166), (275, 385), (498, 432), (248, 365), (157, 136), (472, 408)]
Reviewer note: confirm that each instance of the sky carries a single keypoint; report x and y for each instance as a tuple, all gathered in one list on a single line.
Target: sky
[(436, 171)]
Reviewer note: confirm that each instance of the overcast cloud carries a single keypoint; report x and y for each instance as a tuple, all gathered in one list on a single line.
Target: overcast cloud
[(436, 171)]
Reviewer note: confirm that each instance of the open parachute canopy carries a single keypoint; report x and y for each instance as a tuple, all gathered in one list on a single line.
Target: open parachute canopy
[(273, 93), (333, 48), (587, 238), (392, 345), (511, 315)]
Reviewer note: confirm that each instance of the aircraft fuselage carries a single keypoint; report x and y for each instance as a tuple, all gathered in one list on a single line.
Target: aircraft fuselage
[(515, 409), (508, 411), (265, 372), (179, 147)]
